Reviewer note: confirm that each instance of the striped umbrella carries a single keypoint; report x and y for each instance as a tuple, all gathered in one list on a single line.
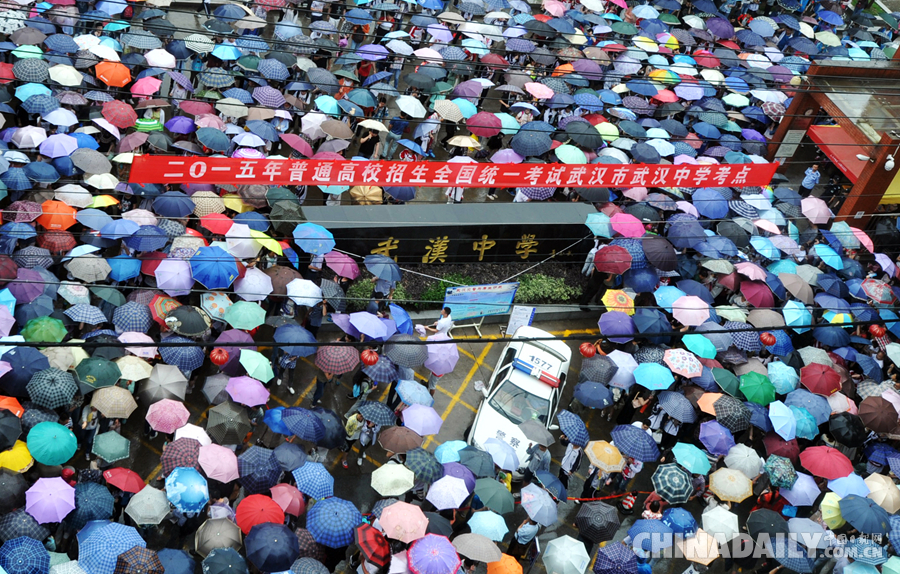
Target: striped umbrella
[(673, 483)]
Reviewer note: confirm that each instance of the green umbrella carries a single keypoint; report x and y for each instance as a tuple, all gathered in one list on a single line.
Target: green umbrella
[(98, 372), (670, 19), (110, 295), (51, 443), (441, 87), (248, 62), (257, 365), (736, 100), (570, 154), (111, 446), (699, 345), (727, 380), (624, 28), (279, 194), (757, 388), (245, 315), (722, 266), (44, 330), (494, 495)]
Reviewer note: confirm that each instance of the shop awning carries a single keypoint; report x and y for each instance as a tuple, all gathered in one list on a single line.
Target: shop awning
[(840, 149)]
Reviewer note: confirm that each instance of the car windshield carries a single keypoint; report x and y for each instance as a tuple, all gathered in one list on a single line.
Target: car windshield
[(518, 405)]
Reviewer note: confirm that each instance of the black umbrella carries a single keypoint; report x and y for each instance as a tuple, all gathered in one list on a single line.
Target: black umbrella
[(290, 456), (437, 524), (660, 253), (766, 521), (228, 423), (847, 429), (421, 81), (540, 28), (19, 523), (406, 351), (478, 461), (334, 429), (333, 294), (12, 490), (593, 194), (597, 521), (584, 134), (191, 321), (10, 429), (283, 57), (598, 368), (271, 547), (737, 234), (103, 352), (225, 561)]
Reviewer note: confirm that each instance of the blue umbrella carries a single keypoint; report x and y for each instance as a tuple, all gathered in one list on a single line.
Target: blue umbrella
[(41, 172), (652, 321), (488, 524), (653, 376), (290, 456), (214, 267), (273, 417), (96, 219), (314, 480), (759, 416), (806, 423), (124, 268), (880, 452), (573, 427), (259, 469), (176, 561), (867, 551), (252, 219), (147, 238), (313, 238), (865, 515), (99, 551), (667, 295), (850, 484), (791, 555), (615, 559), (186, 358), (412, 393), (133, 316), (617, 326), (832, 336), (449, 451), (221, 560), (641, 280), (590, 394), (291, 336), (783, 344), (401, 319), (331, 521), (635, 442), (304, 424), (186, 489), (24, 555), (784, 377), (24, 362), (15, 179), (118, 229), (552, 485), (272, 547), (680, 521), (816, 405), (173, 204), (650, 535)]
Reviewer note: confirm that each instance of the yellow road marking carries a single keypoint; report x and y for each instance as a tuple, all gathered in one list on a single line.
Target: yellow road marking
[(462, 386), (152, 448), (278, 400), (461, 402), (355, 449), (153, 474)]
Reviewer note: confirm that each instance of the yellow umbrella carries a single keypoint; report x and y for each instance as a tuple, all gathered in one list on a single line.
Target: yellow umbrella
[(702, 548), (730, 484), (884, 492), (605, 456), (78, 352), (104, 201), (366, 194), (273, 245), (576, 39), (608, 131), (827, 38), (646, 44), (618, 300), (463, 141), (831, 511), (234, 202), (665, 76), (16, 459)]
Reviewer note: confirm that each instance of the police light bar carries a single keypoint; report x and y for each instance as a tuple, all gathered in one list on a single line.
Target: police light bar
[(536, 372)]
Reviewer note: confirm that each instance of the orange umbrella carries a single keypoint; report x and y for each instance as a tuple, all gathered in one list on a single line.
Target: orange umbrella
[(563, 70), (706, 402), (113, 74), (506, 565), (56, 215), (12, 405)]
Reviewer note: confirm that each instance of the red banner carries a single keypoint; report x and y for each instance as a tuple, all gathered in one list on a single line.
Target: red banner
[(237, 171)]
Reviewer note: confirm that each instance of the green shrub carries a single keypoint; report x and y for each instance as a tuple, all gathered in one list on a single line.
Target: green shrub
[(359, 293), (434, 293), (538, 288)]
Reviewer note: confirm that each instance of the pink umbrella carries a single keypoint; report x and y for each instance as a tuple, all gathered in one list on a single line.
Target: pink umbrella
[(247, 391), (403, 521), (133, 337), (50, 500), (864, 239), (507, 156), (839, 402), (289, 499), (751, 270), (146, 86), (442, 357), (636, 193), (209, 121), (815, 210), (688, 208), (141, 217), (558, 9), (166, 415), (627, 225), (683, 363), (342, 264), (758, 294), (6, 320), (690, 310), (767, 225), (219, 463), (539, 91), (890, 396)]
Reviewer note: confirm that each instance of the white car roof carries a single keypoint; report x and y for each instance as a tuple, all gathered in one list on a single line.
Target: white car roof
[(530, 384)]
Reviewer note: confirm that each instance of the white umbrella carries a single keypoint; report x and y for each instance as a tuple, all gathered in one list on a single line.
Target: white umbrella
[(29, 137), (807, 532), (304, 292), (102, 181), (565, 555), (721, 523), (254, 286), (399, 47), (624, 377), (408, 104), (311, 125), (393, 480), (140, 216), (160, 58), (104, 53), (503, 455), (745, 459), (74, 195), (61, 117), (194, 432), (136, 369), (240, 244)]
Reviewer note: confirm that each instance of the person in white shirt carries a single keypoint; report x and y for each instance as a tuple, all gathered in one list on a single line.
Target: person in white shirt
[(444, 324)]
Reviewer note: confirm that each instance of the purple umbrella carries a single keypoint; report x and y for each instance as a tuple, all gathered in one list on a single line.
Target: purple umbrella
[(174, 277), (27, 286), (368, 324), (469, 89), (247, 391), (181, 125), (617, 326), (627, 65), (372, 52), (342, 320), (804, 492), (232, 367), (459, 471), (433, 554), (448, 492), (716, 438), (754, 135), (50, 500), (588, 68), (440, 33), (720, 27), (442, 357), (507, 156), (689, 91)]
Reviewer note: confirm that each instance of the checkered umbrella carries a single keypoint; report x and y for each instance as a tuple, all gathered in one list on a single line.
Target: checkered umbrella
[(337, 360), (597, 521), (378, 413), (615, 559), (119, 114), (19, 523), (634, 442), (331, 522), (31, 70), (52, 388), (24, 556), (216, 78), (259, 469), (423, 464), (598, 368), (92, 502), (537, 193), (309, 548), (732, 414), (314, 480), (272, 69), (384, 371), (181, 452), (673, 483), (677, 406), (99, 551), (32, 257), (308, 566), (269, 97), (573, 427), (744, 337), (40, 103), (138, 560), (791, 555), (303, 424), (186, 358), (405, 350), (141, 40), (89, 314), (228, 423)]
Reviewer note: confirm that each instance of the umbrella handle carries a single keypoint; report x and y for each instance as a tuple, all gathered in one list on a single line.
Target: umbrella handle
[(541, 484)]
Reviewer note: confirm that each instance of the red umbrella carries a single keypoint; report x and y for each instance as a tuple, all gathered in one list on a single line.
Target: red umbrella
[(613, 259), (124, 479), (119, 114), (337, 360), (8, 269), (820, 379), (150, 261), (372, 544), (730, 281), (484, 124), (257, 509), (778, 446), (217, 223), (826, 462), (758, 294), (56, 241), (706, 59), (494, 60), (6, 73)]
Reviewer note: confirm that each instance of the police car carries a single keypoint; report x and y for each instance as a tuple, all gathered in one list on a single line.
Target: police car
[(527, 384)]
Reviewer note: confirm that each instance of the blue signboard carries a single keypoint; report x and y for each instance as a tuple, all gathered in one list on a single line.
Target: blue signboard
[(480, 300)]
